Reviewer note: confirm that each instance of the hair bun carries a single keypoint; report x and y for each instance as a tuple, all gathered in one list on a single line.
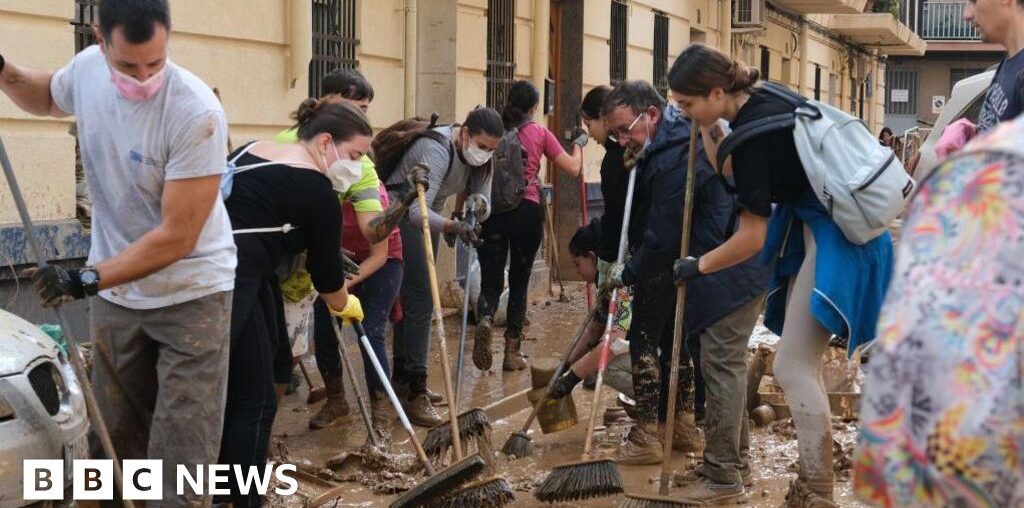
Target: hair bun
[(307, 110), (743, 77)]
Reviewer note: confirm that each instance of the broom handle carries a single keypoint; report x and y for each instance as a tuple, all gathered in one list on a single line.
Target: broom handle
[(677, 339), (428, 245), (74, 355), (549, 222), (383, 377), (566, 361), (471, 219), (612, 309), (370, 431)]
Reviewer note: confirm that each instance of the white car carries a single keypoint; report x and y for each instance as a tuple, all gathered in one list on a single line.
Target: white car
[(964, 102), (42, 411)]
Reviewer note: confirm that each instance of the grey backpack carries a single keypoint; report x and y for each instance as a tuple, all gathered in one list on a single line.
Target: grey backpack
[(508, 183), (861, 183)]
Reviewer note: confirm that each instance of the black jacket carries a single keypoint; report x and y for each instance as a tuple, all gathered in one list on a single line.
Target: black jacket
[(614, 180), (657, 217)]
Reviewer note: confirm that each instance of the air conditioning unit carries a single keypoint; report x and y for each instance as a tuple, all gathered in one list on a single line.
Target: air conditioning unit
[(748, 13)]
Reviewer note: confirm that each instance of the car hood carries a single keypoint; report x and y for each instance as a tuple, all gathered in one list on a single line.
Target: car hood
[(20, 343)]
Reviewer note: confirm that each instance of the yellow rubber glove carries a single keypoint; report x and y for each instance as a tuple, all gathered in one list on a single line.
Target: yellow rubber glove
[(353, 310)]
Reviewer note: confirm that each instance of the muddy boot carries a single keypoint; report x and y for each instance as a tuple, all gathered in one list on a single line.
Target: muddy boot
[(687, 438), (380, 413), (514, 360), (641, 446), (482, 344), (417, 404), (335, 410), (435, 398), (702, 491), (800, 495)]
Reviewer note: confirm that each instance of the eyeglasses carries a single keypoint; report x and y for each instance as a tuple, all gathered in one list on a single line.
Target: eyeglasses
[(621, 133)]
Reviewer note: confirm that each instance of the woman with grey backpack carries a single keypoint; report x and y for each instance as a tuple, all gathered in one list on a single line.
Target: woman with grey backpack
[(829, 275)]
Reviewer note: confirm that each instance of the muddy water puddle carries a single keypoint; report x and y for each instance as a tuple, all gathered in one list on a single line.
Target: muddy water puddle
[(773, 449)]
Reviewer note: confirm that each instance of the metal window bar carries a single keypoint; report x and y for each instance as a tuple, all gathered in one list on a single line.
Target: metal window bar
[(766, 63), (501, 50), (618, 41), (945, 21), (901, 79), (744, 12), (661, 53), (817, 82), (334, 40), (85, 16)]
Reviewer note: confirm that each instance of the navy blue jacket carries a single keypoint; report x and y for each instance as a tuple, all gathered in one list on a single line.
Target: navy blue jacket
[(657, 217)]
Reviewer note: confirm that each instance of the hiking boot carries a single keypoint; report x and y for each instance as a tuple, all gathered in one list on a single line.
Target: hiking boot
[(417, 404), (686, 437), (435, 398), (695, 475), (482, 344), (514, 360), (641, 446), (801, 496), (380, 413), (704, 492), (335, 410)]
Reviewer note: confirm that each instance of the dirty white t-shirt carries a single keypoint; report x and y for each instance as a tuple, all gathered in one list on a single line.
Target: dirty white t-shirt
[(129, 149)]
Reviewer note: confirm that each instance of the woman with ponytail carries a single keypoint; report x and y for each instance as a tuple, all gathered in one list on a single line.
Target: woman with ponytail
[(282, 201), (822, 284), (516, 234)]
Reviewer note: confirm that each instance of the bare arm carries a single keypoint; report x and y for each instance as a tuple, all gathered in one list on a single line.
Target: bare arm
[(748, 239), (185, 206), (29, 89), (571, 165)]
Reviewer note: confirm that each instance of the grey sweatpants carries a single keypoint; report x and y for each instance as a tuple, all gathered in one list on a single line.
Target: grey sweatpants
[(160, 377)]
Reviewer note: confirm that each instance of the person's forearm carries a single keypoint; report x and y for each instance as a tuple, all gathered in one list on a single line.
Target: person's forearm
[(743, 244), (29, 89), (152, 252), (369, 266), (382, 225)]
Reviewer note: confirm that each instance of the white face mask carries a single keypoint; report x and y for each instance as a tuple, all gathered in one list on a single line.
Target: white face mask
[(476, 156), (344, 173)]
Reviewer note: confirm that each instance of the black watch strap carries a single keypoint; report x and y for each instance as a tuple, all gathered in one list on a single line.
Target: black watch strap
[(90, 280)]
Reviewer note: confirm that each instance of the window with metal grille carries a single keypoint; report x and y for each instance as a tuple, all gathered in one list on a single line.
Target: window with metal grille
[(766, 63), (85, 16), (956, 75), (661, 52), (334, 40), (901, 91), (817, 82), (617, 44), (501, 50)]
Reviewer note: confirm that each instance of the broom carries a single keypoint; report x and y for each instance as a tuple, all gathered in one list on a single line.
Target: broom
[(590, 478), (73, 353), (439, 482), (371, 433), (519, 444), (473, 424), (662, 500)]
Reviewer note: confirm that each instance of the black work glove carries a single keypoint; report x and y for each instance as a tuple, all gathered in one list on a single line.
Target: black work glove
[(467, 233), (351, 267), (563, 386), (419, 174), (451, 238), (686, 269), (55, 285)]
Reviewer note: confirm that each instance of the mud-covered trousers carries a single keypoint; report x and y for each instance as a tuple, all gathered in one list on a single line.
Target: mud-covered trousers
[(160, 377), (650, 348)]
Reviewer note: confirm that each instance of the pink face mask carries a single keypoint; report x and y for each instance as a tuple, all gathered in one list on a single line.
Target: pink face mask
[(134, 90)]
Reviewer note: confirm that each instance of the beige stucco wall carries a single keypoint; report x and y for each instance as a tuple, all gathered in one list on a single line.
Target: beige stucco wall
[(934, 79)]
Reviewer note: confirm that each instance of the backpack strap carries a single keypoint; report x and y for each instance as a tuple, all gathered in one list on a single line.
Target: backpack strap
[(767, 124), (437, 137)]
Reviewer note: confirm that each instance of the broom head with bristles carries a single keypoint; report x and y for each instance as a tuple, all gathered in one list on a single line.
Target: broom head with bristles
[(492, 492), (473, 424), (654, 501), (443, 482), (579, 481), (519, 445)]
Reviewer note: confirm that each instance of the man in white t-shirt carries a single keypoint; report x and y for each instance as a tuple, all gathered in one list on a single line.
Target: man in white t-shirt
[(153, 140)]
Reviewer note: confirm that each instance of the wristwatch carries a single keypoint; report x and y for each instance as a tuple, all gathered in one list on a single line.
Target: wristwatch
[(90, 280)]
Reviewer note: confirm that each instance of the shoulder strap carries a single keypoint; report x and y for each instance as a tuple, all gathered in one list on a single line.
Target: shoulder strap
[(754, 129), (243, 151), (443, 140)]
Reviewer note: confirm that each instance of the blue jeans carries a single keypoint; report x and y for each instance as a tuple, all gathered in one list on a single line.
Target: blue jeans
[(377, 294)]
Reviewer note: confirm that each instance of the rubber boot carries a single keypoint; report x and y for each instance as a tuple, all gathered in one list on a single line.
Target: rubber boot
[(514, 360), (482, 344), (641, 446), (335, 410), (417, 404), (381, 414)]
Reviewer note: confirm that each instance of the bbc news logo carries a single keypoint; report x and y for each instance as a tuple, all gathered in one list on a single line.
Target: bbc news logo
[(143, 479)]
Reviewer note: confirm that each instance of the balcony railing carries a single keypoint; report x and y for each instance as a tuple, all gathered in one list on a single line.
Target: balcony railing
[(940, 21)]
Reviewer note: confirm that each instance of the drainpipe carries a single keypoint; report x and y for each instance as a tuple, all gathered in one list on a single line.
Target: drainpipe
[(300, 41), (410, 63), (541, 42), (804, 61), (725, 27)]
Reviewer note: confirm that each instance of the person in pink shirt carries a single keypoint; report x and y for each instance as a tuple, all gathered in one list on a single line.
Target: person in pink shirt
[(515, 236)]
